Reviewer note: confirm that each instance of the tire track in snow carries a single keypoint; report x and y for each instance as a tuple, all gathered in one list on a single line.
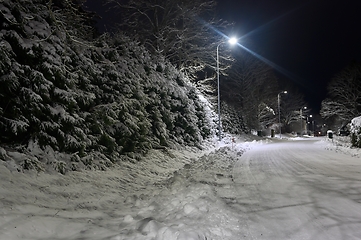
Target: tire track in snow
[(274, 189)]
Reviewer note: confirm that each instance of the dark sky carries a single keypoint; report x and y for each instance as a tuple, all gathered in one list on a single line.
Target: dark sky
[(314, 40)]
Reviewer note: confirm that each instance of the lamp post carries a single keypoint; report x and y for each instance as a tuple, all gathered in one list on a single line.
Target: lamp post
[(301, 119), (231, 41), (279, 111), (313, 125)]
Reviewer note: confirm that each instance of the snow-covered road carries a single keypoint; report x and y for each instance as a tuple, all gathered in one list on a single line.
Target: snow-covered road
[(265, 189), (298, 190)]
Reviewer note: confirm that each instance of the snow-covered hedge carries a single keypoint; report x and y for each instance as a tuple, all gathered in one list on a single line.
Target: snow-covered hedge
[(80, 96), (356, 132)]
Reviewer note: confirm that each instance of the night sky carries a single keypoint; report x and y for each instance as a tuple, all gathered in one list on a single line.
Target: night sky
[(312, 40)]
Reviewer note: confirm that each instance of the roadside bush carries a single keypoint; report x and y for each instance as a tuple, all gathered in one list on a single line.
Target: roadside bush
[(356, 132)]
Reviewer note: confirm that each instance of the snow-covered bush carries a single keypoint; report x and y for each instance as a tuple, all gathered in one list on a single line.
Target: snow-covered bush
[(83, 96), (232, 120), (356, 132)]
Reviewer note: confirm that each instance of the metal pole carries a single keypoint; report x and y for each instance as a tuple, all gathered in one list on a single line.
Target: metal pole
[(219, 99), (279, 115), (301, 121), (279, 111), (231, 41)]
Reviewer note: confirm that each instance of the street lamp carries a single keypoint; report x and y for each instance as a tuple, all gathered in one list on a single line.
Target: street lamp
[(231, 41), (301, 119), (313, 125), (279, 111)]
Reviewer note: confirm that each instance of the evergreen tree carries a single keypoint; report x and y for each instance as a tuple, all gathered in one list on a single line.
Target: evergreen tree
[(97, 99)]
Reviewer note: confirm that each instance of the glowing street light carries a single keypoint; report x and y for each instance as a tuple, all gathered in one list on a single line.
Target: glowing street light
[(231, 41), (279, 111)]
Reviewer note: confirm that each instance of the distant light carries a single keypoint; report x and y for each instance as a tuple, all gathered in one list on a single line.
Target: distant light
[(232, 41), (284, 91)]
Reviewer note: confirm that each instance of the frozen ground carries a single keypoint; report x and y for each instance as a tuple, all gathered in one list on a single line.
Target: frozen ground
[(294, 188)]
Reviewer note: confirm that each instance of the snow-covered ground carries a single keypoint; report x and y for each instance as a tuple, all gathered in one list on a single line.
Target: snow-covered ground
[(215, 193)]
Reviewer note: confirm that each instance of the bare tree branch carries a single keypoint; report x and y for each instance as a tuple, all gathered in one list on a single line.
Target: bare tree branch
[(180, 31), (344, 91), (252, 86)]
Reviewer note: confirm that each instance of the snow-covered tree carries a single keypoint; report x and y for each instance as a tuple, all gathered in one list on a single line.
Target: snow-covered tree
[(182, 31), (356, 132), (97, 99), (344, 94), (291, 106), (252, 87)]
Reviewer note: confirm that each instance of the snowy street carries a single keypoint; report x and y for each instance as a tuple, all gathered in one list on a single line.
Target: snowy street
[(137, 120), (295, 188)]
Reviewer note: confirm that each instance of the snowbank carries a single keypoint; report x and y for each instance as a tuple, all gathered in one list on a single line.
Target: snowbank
[(170, 195), (182, 194)]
